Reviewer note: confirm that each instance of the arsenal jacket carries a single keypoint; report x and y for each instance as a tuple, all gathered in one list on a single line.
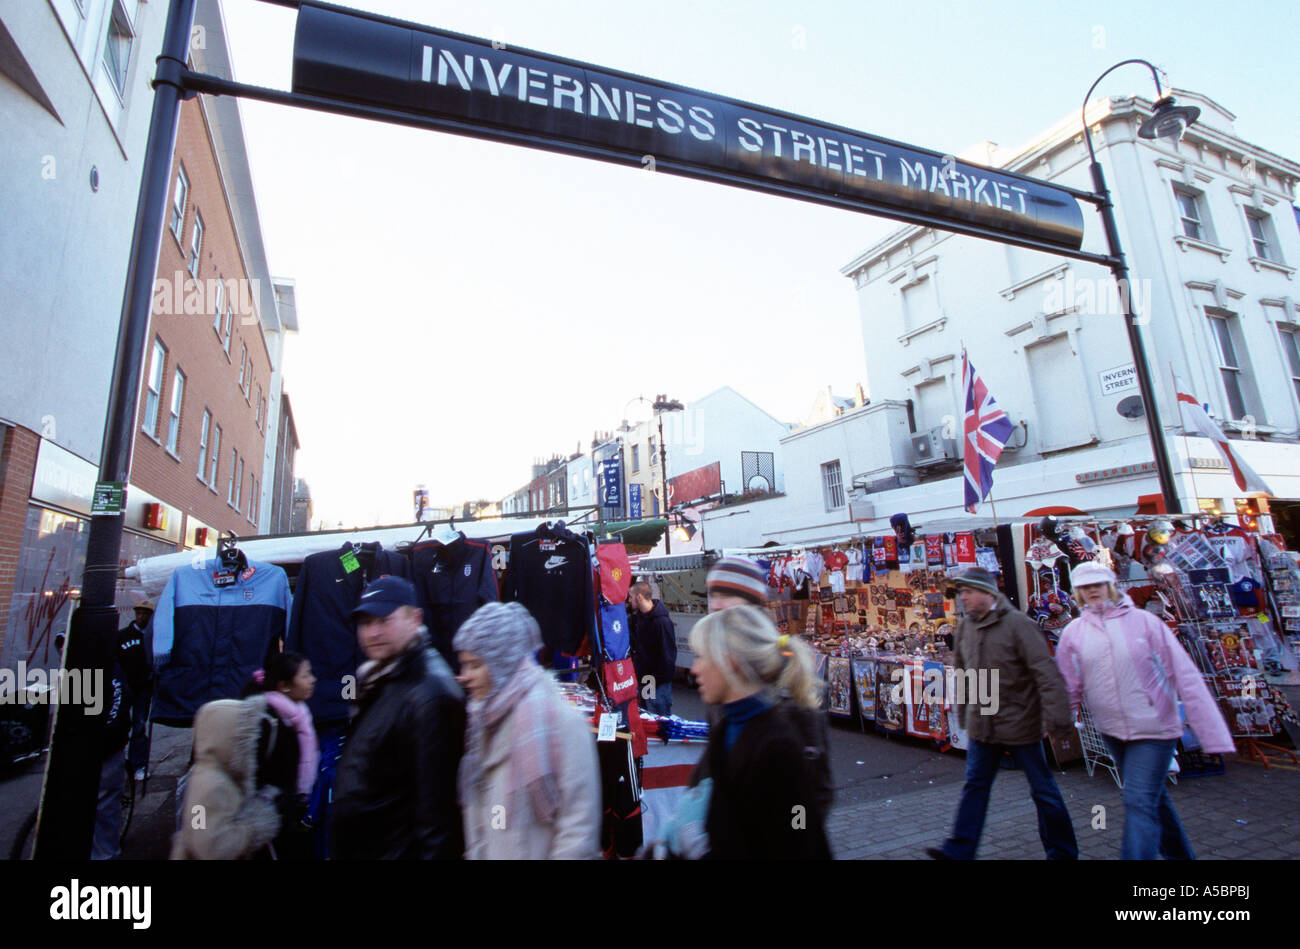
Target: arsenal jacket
[(321, 627), (209, 639)]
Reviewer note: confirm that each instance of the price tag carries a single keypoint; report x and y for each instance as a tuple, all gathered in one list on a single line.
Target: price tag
[(608, 727), (349, 561)]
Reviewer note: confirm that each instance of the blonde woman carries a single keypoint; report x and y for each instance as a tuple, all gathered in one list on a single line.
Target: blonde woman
[(1131, 670), (766, 758)]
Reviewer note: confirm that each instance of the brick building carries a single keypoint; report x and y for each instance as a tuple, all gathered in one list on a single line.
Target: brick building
[(78, 107)]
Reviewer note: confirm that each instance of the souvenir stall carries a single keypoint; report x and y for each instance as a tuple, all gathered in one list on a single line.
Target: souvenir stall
[(1227, 591), (879, 612), (572, 584)]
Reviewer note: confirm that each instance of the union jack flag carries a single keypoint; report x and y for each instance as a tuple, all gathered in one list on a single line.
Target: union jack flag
[(986, 431)]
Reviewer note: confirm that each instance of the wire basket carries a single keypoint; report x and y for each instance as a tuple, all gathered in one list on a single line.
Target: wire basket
[(1095, 751)]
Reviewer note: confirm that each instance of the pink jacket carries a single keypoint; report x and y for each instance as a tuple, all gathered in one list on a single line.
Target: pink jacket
[(298, 716), (1156, 669)]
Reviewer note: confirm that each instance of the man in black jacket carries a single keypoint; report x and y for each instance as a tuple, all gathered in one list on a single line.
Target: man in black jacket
[(654, 649), (395, 792)]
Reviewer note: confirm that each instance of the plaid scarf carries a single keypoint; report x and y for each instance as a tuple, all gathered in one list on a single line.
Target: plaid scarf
[(531, 703)]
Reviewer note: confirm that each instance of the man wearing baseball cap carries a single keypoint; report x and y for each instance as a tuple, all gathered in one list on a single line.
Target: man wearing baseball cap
[(395, 792), (1013, 695)]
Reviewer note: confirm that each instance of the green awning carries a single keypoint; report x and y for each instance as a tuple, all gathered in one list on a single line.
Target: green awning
[(644, 533)]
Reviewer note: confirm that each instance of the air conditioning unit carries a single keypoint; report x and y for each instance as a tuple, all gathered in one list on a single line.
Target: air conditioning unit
[(932, 448)]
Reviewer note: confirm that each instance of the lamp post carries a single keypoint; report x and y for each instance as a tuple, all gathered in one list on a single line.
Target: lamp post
[(1168, 121), (661, 405)]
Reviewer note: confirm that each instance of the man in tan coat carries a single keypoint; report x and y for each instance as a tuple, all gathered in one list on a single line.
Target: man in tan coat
[(1013, 696)]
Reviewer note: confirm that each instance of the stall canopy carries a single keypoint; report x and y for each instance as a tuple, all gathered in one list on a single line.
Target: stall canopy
[(288, 549)]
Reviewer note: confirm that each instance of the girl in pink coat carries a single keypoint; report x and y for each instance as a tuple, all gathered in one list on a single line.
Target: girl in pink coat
[(1131, 670)]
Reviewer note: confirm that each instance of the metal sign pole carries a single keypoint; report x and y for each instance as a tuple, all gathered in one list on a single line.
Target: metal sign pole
[(70, 792)]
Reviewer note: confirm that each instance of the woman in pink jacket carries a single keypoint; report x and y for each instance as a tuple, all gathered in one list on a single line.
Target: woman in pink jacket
[(1131, 670)]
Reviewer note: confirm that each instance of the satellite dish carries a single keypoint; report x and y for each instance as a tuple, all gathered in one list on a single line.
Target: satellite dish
[(1131, 407)]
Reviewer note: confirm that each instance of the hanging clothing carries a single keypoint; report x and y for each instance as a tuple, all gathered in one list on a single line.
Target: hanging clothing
[(211, 631), (452, 581), (550, 574), (320, 625)]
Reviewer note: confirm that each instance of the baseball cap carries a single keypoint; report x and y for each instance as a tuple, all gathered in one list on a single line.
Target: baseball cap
[(146, 604), (384, 595)]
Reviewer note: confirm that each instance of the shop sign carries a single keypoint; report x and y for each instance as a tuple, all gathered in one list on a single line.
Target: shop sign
[(634, 501), (63, 479), (1119, 379), (474, 87), (1120, 471), (612, 482)]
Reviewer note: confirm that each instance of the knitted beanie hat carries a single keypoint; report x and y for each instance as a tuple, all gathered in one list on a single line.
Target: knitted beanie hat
[(503, 635), (979, 578), (737, 576)]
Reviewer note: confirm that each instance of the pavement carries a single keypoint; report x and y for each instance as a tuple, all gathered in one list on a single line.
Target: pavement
[(894, 797)]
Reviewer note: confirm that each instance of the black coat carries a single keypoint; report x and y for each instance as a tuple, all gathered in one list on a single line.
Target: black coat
[(321, 626), (654, 644), (771, 791), (395, 790)]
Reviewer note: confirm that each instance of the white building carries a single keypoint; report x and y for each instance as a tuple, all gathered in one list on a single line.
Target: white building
[(1212, 245)]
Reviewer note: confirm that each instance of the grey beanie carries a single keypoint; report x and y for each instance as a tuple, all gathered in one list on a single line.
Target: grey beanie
[(979, 578), (504, 635)]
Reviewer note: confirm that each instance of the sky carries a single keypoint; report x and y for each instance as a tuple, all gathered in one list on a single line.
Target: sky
[(466, 308)]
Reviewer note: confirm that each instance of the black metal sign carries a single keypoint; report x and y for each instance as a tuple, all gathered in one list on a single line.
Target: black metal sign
[(564, 105)]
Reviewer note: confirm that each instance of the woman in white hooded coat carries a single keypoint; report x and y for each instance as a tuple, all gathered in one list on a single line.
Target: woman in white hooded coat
[(529, 780)]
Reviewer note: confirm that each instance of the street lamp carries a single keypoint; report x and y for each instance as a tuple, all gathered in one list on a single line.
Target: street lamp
[(661, 405), (1168, 122)]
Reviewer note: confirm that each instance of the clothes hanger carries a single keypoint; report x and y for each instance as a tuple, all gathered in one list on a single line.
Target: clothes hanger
[(228, 553)]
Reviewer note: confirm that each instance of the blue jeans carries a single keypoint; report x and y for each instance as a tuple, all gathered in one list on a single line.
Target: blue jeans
[(1054, 827), (662, 703), (1151, 825)]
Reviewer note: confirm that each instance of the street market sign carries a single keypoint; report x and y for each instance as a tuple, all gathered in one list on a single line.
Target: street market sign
[(478, 88)]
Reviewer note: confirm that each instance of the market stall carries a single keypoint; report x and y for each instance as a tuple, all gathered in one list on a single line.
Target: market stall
[(299, 591)]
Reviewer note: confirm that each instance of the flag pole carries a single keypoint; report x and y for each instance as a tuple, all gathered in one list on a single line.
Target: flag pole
[(994, 508), (1187, 446)]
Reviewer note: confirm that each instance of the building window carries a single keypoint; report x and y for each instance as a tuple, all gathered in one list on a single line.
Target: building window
[(654, 503), (652, 453), (196, 245), (230, 484), (239, 484), (832, 486), (1261, 235), (1233, 373), (203, 443), (219, 300), (154, 393), (248, 380), (243, 365), (1191, 212), (174, 422), (216, 455), (117, 50), (1291, 343), (258, 406), (179, 196), (252, 496), (225, 337), (636, 458)]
